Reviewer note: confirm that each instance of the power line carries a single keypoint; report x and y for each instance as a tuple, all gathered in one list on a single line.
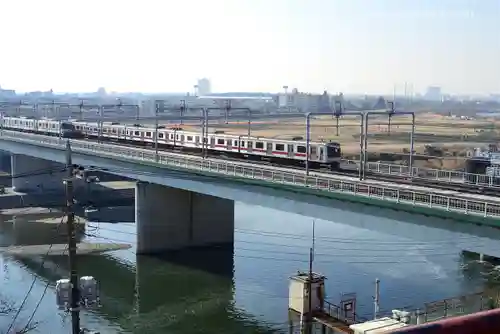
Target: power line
[(37, 172), (282, 259), (327, 240), (33, 282), (39, 301), (334, 249)]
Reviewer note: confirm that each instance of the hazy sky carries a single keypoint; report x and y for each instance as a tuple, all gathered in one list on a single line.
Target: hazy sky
[(250, 45)]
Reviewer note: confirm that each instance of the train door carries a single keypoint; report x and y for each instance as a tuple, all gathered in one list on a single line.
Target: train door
[(269, 148), (321, 153), (212, 141), (290, 150), (229, 144), (249, 146), (314, 153)]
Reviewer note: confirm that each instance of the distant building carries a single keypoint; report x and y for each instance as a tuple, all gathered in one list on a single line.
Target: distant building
[(297, 101), (204, 87), (101, 92), (7, 92), (433, 93)]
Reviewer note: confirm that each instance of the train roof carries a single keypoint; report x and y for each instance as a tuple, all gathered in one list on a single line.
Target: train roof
[(148, 127)]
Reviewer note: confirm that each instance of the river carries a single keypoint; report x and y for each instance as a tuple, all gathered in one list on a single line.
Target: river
[(245, 289)]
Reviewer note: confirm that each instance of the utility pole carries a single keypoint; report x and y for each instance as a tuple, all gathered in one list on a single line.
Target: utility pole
[(75, 289), (309, 318), (309, 294)]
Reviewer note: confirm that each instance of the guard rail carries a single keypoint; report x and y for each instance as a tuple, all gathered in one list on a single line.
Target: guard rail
[(432, 174), (331, 183)]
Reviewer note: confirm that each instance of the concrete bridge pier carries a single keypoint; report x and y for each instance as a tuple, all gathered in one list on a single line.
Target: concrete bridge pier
[(171, 219), (31, 174)]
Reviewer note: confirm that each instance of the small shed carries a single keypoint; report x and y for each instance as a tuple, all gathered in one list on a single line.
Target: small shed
[(299, 292)]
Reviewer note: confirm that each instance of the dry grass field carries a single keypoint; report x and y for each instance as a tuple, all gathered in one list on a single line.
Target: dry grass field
[(452, 136)]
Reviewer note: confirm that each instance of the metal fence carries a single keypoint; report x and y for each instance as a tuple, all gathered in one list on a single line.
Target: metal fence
[(440, 175), (280, 176), (452, 307)]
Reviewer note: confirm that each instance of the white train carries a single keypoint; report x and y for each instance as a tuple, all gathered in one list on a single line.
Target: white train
[(44, 126), (282, 151)]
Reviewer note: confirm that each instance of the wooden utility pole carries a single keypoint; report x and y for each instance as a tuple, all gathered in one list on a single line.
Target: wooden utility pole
[(75, 291)]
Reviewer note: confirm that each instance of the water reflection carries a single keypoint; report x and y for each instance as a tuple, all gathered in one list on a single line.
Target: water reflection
[(245, 289), (46, 229)]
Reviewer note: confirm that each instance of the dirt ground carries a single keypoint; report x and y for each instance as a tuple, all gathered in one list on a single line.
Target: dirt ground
[(454, 136)]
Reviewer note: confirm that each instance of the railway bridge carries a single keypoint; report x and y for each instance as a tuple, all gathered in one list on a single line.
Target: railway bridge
[(184, 201)]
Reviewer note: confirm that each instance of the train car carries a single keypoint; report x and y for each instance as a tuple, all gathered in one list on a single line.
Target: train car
[(280, 151), (43, 126)]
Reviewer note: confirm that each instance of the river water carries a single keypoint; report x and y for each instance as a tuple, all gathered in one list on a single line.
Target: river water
[(245, 290)]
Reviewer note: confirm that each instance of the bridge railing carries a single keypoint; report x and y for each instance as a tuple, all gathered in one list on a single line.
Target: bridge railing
[(441, 175), (283, 176)]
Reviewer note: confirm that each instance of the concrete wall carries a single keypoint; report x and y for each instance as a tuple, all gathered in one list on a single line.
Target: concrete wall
[(169, 218)]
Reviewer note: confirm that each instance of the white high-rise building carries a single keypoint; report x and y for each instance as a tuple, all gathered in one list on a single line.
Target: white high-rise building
[(204, 87)]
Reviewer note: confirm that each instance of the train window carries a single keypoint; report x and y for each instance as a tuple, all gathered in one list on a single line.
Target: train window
[(242, 143), (136, 133), (333, 151), (182, 137), (220, 141), (228, 141), (197, 138), (301, 149), (235, 143), (280, 147), (259, 144), (171, 136), (148, 134), (176, 137), (190, 138), (160, 135)]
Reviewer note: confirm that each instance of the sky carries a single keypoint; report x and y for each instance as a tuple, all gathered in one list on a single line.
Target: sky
[(353, 46)]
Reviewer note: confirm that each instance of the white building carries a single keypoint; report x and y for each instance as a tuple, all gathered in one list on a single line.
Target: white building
[(204, 87)]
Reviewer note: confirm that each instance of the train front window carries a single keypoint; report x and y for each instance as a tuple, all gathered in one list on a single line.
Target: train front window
[(333, 150), (67, 126)]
